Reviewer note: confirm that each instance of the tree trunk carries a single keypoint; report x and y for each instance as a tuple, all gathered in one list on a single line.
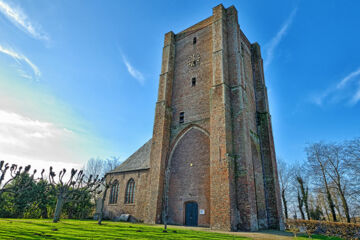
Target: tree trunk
[(345, 205), (330, 201), (58, 208), (305, 194), (300, 201), (102, 205), (284, 203)]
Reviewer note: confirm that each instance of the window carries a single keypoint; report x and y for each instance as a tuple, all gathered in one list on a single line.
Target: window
[(194, 40), (181, 117), (130, 190), (193, 81), (114, 192)]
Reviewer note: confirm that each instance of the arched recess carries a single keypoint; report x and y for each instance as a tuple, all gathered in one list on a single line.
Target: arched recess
[(188, 175)]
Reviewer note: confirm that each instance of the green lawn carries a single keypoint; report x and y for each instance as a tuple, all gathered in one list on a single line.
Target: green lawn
[(77, 229)]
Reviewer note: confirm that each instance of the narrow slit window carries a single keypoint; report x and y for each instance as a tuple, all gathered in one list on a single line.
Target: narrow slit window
[(181, 117), (193, 82), (194, 40)]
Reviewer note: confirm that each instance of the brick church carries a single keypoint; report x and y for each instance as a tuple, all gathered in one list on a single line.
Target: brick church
[(211, 160)]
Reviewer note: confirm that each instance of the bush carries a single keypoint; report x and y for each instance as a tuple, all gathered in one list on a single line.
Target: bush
[(349, 231)]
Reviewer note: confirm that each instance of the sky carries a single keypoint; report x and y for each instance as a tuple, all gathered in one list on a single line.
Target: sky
[(79, 79)]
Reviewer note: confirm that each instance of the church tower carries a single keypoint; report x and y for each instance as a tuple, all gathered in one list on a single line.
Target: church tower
[(212, 158)]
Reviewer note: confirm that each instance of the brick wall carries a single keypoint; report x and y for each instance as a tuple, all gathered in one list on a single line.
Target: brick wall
[(190, 176), (138, 208)]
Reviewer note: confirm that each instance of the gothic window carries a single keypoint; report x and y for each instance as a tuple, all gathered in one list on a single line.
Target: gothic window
[(181, 117), (193, 81), (194, 40), (114, 192), (130, 191)]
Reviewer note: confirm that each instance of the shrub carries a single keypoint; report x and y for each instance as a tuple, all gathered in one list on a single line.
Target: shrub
[(349, 231)]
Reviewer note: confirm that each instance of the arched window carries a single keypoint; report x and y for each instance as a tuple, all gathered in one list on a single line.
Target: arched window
[(114, 192), (130, 190)]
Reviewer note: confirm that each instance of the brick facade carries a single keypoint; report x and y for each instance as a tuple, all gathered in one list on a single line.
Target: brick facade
[(212, 140)]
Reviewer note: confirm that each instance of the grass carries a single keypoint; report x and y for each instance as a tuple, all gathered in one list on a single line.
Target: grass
[(78, 229), (314, 236), (87, 229)]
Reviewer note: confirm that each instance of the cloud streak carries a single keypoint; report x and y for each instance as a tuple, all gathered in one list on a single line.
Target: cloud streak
[(20, 58), (133, 71), (342, 90), (271, 46), (20, 20), (348, 78)]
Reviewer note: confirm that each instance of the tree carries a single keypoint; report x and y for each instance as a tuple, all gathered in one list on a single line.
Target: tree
[(300, 205), (337, 172), (72, 190), (318, 164), (111, 163), (94, 167), (15, 172), (285, 176), (106, 182), (79, 209), (99, 167), (304, 194)]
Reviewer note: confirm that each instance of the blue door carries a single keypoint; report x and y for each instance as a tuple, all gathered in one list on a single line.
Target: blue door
[(191, 214)]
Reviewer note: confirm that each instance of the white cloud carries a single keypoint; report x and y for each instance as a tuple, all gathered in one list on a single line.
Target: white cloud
[(349, 77), (27, 141), (21, 58), (134, 72), (19, 19), (270, 47), (342, 90)]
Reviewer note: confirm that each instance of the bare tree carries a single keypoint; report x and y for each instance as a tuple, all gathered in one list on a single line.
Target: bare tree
[(304, 190), (99, 167), (94, 167), (318, 164), (337, 171), (300, 205), (71, 190), (111, 163), (285, 177)]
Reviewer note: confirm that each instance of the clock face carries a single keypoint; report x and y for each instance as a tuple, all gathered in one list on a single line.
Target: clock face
[(193, 60)]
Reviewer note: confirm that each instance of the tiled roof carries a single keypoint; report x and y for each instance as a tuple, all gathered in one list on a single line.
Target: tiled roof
[(137, 161)]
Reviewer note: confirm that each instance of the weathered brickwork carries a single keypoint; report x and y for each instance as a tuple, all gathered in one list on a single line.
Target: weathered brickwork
[(139, 207), (212, 141), (190, 176)]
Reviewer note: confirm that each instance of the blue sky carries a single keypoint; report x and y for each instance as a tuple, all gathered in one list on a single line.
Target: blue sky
[(79, 79)]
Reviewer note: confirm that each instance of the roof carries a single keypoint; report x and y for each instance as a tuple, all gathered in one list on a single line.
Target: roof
[(139, 160)]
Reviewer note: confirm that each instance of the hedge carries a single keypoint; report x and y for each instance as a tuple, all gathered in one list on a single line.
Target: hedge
[(349, 231)]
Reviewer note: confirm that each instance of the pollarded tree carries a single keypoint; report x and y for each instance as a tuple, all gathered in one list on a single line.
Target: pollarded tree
[(106, 182), (74, 189), (10, 173)]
